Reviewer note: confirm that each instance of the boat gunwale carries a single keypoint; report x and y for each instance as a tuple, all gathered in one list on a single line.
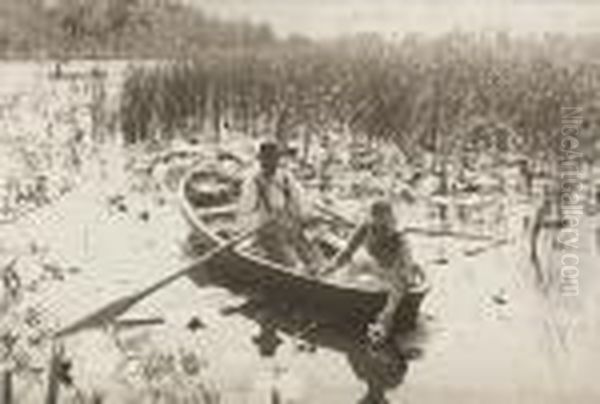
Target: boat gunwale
[(202, 227)]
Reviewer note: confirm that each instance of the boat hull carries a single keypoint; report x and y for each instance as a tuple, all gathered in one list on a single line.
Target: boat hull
[(248, 274), (346, 307)]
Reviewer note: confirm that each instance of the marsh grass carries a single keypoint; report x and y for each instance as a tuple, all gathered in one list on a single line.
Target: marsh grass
[(451, 95)]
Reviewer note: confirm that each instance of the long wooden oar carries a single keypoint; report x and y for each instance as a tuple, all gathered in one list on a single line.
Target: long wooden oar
[(121, 305)]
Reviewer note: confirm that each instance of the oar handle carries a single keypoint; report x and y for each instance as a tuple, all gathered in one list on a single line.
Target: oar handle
[(204, 258)]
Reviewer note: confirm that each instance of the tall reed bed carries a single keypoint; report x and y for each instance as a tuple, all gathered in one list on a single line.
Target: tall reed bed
[(422, 94)]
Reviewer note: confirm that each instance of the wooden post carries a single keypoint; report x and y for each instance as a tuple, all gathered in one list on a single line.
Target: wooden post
[(97, 104), (307, 141), (6, 391), (53, 382)]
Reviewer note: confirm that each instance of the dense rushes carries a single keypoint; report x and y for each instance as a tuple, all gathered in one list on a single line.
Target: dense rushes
[(418, 93)]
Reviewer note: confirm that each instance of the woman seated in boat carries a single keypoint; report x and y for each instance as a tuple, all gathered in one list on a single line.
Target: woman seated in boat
[(387, 255), (272, 200)]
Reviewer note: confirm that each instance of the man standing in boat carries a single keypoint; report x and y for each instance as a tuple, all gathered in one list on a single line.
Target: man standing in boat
[(272, 201)]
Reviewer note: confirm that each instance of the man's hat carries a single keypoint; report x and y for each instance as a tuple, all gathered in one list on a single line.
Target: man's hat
[(269, 149), (380, 206)]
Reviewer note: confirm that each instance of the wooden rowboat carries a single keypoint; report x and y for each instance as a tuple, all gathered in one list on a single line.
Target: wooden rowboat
[(347, 302)]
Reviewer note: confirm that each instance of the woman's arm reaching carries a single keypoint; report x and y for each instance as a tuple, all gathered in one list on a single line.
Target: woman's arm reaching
[(406, 261)]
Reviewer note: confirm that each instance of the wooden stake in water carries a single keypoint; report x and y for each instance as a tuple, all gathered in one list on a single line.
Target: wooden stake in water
[(52, 392), (6, 388)]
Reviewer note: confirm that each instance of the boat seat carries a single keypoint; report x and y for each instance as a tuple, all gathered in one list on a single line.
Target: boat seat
[(217, 211), (331, 240)]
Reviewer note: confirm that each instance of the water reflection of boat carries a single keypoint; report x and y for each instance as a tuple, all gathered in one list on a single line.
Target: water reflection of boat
[(209, 198), (381, 369)]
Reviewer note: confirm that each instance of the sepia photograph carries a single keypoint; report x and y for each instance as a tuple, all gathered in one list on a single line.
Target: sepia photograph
[(299, 201)]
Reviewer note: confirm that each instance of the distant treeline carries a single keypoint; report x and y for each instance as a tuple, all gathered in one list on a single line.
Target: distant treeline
[(440, 94), (131, 29)]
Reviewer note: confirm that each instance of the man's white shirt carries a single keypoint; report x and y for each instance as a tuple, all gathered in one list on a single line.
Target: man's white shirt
[(283, 194)]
